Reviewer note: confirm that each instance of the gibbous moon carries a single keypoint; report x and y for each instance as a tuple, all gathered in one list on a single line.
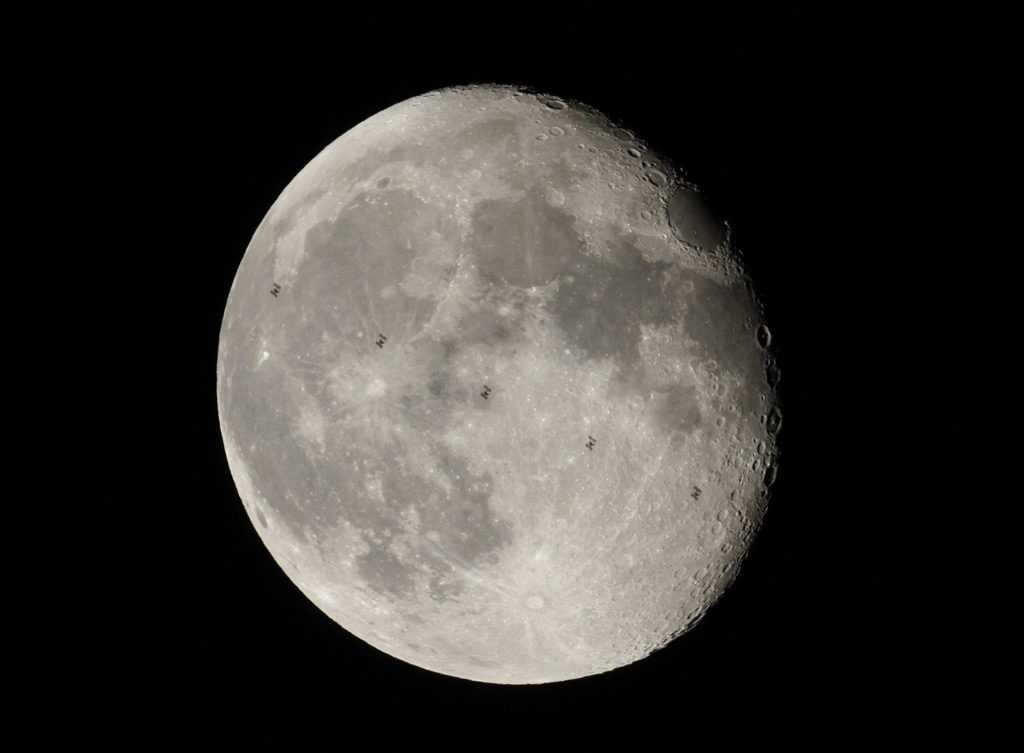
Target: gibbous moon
[(496, 391)]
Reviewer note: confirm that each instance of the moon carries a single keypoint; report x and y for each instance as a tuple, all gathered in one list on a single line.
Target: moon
[(496, 390)]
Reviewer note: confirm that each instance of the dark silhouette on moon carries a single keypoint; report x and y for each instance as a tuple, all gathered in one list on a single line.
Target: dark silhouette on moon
[(495, 389)]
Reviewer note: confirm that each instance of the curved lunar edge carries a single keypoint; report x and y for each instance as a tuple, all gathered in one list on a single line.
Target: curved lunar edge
[(496, 391)]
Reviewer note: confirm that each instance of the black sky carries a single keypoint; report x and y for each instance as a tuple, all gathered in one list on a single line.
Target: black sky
[(864, 161)]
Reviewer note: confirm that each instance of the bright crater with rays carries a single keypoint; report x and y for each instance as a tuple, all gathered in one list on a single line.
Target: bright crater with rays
[(496, 391)]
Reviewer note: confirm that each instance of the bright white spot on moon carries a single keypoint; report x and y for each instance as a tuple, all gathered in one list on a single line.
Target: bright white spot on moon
[(521, 420)]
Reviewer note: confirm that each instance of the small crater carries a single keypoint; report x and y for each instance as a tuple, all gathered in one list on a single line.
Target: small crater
[(773, 422), (261, 519), (556, 131), (764, 336), (633, 152), (772, 374), (383, 182)]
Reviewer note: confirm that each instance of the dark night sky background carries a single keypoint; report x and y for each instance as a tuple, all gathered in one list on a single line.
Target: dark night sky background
[(863, 160)]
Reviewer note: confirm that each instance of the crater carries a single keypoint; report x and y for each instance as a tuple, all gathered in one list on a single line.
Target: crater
[(553, 102), (693, 221)]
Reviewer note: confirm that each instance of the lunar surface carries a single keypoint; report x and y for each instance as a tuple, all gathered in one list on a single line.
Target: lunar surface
[(496, 391)]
